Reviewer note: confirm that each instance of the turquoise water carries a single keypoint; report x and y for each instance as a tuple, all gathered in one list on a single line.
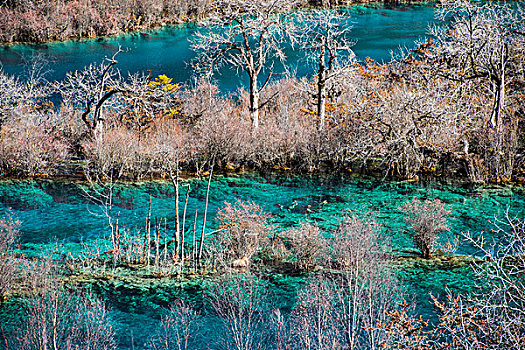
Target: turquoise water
[(53, 211), (377, 31), (62, 214)]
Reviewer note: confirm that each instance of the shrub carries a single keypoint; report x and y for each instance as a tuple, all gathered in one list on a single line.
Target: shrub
[(9, 232), (220, 130), (170, 144), (244, 229), (31, 146), (425, 221), (179, 329), (58, 319), (114, 152), (307, 244)]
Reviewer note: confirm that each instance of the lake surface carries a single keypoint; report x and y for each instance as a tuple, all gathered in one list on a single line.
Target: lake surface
[(61, 216), (54, 211), (377, 30)]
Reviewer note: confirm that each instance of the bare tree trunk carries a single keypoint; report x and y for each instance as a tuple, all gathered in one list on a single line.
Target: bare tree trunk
[(496, 120), (177, 222), (499, 98), (354, 296), (55, 321), (184, 223), (201, 245), (175, 182), (165, 240), (194, 241), (157, 236), (501, 95), (44, 335), (321, 86), (147, 238), (116, 253), (254, 101)]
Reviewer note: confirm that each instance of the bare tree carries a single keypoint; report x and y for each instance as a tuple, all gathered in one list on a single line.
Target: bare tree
[(19, 94), (9, 264), (491, 317), (11, 93), (325, 35), (355, 240), (495, 317), (339, 309), (247, 36), (57, 319), (314, 317), (241, 301), (179, 329), (91, 88), (366, 287), (426, 220), (33, 139), (485, 44)]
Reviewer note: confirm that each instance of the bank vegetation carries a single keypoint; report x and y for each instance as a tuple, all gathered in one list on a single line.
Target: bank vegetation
[(451, 107), (38, 21)]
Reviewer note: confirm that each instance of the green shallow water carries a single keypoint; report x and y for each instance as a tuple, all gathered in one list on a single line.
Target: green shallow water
[(62, 213)]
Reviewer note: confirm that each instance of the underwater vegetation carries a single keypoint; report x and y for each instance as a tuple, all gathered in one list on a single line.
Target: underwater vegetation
[(282, 258)]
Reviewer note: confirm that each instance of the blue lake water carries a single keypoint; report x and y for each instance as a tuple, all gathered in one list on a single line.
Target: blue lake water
[(54, 211), (377, 30), (61, 216)]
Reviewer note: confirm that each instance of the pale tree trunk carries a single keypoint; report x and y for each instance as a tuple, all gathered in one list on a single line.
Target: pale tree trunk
[(254, 101), (98, 128), (55, 320), (44, 335), (177, 221), (321, 86), (321, 108), (353, 328), (499, 101), (499, 98), (498, 110), (182, 255), (201, 245), (175, 182)]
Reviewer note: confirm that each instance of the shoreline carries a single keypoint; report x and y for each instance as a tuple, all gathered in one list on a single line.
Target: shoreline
[(144, 29), (456, 182)]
